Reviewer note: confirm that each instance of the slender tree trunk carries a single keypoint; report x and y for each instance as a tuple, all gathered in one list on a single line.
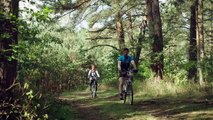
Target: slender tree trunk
[(155, 27), (141, 37), (211, 33), (120, 32), (200, 38), (192, 73), (119, 25), (138, 46), (130, 31), (9, 37)]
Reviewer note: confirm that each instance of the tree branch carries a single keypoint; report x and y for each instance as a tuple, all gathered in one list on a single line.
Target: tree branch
[(59, 16), (98, 30), (102, 29), (99, 37), (73, 5), (102, 45)]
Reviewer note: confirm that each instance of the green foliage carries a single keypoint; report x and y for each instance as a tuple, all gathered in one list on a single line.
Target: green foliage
[(22, 103), (23, 100), (207, 67), (176, 65), (144, 70), (42, 16), (109, 69)]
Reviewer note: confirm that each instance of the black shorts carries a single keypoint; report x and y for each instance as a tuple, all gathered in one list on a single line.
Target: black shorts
[(91, 82), (122, 73)]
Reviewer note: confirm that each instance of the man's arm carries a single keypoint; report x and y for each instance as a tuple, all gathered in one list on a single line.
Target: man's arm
[(119, 65), (133, 63)]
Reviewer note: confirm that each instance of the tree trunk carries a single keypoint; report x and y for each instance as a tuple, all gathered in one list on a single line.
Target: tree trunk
[(9, 37), (192, 73), (150, 17), (200, 38), (155, 27)]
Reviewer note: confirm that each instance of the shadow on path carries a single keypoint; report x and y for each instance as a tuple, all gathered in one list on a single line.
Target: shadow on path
[(191, 108)]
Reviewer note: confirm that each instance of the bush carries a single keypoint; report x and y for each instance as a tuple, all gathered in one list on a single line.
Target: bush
[(22, 103)]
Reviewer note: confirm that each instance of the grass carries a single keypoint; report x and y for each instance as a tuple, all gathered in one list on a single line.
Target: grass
[(118, 111), (108, 104), (152, 100), (62, 112), (150, 88)]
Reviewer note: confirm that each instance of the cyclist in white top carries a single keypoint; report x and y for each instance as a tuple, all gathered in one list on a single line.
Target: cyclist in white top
[(93, 75)]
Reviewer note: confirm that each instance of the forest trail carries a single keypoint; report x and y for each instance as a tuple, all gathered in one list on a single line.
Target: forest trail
[(107, 107)]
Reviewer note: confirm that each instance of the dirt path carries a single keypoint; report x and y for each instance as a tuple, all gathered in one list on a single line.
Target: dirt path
[(88, 112), (108, 107), (84, 109)]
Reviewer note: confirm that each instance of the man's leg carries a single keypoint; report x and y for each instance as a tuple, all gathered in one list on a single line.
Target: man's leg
[(121, 83)]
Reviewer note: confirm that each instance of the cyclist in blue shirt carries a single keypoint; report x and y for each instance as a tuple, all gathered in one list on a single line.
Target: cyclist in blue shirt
[(124, 62)]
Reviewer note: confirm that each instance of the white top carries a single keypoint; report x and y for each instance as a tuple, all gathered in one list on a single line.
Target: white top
[(93, 73)]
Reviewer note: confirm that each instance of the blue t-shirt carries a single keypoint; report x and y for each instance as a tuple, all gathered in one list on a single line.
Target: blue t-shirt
[(125, 61)]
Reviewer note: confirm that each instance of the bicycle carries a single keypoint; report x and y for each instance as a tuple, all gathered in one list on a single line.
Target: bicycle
[(128, 89), (94, 89)]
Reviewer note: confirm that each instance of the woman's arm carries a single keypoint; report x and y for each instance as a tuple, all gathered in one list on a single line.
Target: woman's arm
[(97, 73), (89, 73)]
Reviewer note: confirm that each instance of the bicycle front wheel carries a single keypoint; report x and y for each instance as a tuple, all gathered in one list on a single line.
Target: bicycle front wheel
[(129, 95), (124, 97), (93, 91)]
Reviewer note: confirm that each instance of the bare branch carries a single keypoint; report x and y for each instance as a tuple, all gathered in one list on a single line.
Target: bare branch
[(13, 85), (99, 37), (59, 16), (102, 45), (125, 11), (74, 5), (98, 30), (71, 7), (139, 15), (102, 29)]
